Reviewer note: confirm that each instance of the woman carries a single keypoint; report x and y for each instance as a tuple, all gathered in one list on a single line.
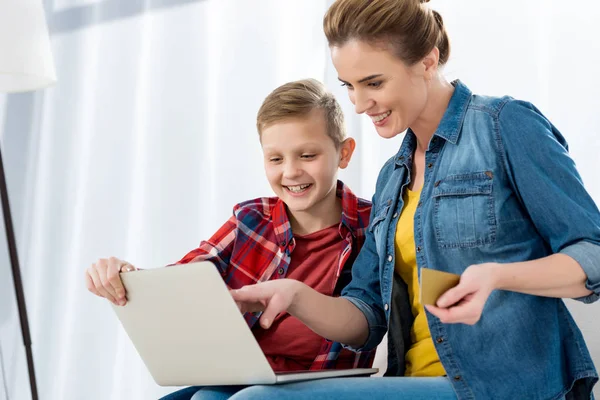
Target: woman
[(482, 187)]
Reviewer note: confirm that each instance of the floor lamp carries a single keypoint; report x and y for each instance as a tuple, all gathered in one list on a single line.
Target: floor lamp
[(25, 65)]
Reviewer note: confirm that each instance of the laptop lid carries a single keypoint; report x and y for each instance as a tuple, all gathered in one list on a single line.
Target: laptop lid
[(188, 330)]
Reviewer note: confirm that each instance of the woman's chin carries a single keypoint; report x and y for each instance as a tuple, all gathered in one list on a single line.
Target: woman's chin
[(387, 132)]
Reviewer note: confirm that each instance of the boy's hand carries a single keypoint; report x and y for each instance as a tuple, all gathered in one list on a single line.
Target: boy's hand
[(272, 297), (103, 279)]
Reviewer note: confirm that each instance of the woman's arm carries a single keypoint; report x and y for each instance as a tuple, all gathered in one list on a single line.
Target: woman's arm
[(544, 178), (557, 275), (334, 318)]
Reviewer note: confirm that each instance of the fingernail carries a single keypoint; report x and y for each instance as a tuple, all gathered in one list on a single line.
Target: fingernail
[(266, 323)]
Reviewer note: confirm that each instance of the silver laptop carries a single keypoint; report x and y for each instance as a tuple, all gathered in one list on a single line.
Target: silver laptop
[(189, 331)]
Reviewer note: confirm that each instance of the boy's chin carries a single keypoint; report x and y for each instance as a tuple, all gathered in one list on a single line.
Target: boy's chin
[(296, 206)]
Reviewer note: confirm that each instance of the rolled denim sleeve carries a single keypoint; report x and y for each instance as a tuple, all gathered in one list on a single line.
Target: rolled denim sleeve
[(364, 291), (587, 255), (546, 180)]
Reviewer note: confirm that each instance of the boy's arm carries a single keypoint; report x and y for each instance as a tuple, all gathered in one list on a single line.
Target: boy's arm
[(103, 277), (217, 249)]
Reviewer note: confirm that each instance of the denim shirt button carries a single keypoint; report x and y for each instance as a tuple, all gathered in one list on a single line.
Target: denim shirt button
[(439, 339), (457, 378), (395, 215), (386, 306), (429, 165), (390, 258), (418, 249), (436, 184)]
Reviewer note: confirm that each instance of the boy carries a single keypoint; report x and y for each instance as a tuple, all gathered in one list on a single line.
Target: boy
[(311, 232)]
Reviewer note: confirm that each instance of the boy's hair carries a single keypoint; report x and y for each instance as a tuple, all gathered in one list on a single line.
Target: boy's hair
[(296, 100)]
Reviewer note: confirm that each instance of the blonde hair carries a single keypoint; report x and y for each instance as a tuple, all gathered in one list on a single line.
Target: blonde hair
[(409, 28), (296, 100)]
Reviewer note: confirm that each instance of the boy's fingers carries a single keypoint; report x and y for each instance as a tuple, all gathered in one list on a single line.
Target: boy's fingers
[(99, 286), (114, 278), (89, 283)]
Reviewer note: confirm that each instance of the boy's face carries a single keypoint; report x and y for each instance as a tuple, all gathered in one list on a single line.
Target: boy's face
[(301, 162)]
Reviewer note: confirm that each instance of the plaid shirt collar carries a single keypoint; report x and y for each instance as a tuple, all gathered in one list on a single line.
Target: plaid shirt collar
[(348, 223)]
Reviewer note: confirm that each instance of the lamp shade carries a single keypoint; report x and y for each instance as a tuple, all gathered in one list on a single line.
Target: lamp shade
[(25, 57)]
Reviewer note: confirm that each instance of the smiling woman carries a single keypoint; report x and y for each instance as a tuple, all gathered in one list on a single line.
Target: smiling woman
[(457, 197)]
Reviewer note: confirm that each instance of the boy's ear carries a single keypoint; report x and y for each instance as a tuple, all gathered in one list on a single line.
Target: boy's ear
[(346, 150)]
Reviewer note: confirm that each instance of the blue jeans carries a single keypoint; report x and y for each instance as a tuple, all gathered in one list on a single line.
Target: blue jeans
[(335, 388)]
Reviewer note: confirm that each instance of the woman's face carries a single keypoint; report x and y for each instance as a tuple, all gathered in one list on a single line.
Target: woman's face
[(380, 85)]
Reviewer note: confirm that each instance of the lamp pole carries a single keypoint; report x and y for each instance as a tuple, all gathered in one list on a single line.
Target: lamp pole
[(26, 64)]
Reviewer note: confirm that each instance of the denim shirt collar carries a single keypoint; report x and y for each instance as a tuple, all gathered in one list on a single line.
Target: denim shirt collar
[(449, 127)]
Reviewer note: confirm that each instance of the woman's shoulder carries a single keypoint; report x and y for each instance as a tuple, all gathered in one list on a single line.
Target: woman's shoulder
[(489, 104)]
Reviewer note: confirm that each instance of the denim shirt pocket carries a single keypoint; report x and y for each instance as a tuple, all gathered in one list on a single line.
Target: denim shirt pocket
[(376, 225), (464, 213)]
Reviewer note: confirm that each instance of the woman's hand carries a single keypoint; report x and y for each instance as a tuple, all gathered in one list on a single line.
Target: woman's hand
[(272, 297), (103, 279), (464, 303)]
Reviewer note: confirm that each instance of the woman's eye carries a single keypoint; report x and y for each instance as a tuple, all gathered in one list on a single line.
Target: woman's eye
[(375, 84), (347, 85)]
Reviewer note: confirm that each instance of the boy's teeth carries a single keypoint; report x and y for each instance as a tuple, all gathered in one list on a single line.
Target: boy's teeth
[(382, 116), (298, 188)]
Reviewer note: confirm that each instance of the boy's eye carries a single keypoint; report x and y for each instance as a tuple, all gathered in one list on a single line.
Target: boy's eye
[(275, 159), (308, 156)]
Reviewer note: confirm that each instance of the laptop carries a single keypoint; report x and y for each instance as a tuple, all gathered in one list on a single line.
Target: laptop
[(189, 332)]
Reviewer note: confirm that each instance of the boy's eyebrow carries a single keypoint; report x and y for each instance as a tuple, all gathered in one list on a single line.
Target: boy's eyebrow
[(368, 78)]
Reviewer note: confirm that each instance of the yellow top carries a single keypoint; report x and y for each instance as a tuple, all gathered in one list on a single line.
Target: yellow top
[(421, 358)]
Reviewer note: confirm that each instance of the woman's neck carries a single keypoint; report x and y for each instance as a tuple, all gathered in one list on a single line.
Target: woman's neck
[(439, 97)]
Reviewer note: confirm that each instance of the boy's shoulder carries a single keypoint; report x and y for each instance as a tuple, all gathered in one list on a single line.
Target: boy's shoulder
[(363, 204), (262, 206)]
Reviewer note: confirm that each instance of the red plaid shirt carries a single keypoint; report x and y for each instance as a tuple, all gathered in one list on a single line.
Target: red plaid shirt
[(256, 244)]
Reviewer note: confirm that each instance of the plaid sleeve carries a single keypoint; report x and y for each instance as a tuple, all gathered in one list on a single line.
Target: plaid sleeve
[(217, 249)]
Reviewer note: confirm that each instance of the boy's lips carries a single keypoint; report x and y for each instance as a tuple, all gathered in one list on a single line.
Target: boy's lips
[(297, 190)]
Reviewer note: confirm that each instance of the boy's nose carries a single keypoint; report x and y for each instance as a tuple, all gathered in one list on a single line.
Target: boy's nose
[(291, 170)]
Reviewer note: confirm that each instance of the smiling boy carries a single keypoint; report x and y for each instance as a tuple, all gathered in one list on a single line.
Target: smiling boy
[(311, 232)]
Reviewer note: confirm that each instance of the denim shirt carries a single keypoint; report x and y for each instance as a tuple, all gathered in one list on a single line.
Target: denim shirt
[(501, 187)]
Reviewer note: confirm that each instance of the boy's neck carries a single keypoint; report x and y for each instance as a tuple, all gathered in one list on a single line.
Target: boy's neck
[(323, 215)]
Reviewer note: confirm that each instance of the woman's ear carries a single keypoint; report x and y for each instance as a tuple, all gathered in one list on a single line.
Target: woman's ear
[(430, 63), (346, 150)]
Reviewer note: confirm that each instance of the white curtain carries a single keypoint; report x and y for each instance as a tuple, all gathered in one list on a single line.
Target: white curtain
[(148, 140)]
